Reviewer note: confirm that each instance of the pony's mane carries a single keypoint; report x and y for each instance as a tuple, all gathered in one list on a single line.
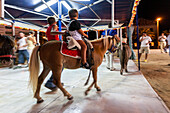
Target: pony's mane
[(104, 40), (97, 40)]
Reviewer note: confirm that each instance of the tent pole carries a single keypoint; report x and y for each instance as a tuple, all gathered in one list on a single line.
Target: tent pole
[(137, 36), (59, 21), (13, 28), (118, 32), (38, 37), (2, 8), (113, 12)]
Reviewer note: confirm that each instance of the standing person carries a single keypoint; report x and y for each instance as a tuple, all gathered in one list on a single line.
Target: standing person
[(125, 39), (168, 39), (76, 32), (109, 55), (31, 42), (145, 41), (22, 49), (52, 27), (162, 40)]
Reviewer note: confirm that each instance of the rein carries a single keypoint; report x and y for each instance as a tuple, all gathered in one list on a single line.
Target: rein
[(110, 50), (3, 56)]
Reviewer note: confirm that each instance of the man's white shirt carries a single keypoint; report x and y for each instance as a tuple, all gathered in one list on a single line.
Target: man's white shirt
[(22, 42), (162, 39), (144, 42)]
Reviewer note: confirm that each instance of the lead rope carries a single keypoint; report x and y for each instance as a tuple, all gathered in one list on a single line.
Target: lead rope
[(87, 81)]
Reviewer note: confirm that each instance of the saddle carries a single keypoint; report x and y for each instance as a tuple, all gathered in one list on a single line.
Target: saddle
[(71, 48)]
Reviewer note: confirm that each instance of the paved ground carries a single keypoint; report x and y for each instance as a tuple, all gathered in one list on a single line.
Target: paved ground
[(129, 93)]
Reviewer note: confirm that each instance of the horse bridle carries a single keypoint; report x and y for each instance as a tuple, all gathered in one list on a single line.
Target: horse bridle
[(112, 46)]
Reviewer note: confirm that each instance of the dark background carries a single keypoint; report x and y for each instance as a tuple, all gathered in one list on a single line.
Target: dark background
[(152, 9)]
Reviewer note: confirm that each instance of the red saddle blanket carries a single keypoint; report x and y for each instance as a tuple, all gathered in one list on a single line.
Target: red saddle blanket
[(67, 52)]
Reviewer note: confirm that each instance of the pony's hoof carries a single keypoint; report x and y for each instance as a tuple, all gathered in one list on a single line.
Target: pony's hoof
[(121, 72), (98, 89), (40, 101), (70, 98), (126, 70), (86, 93)]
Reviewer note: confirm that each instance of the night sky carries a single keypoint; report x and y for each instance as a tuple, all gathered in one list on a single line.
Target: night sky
[(151, 9)]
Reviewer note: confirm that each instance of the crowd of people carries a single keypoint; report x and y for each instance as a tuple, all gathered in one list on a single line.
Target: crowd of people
[(145, 44)]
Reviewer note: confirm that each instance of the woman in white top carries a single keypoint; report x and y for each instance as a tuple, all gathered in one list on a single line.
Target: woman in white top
[(31, 42)]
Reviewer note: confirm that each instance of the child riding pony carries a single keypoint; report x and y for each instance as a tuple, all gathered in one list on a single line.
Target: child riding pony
[(52, 59)]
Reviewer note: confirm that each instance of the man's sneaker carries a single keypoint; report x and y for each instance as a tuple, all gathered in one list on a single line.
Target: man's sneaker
[(145, 60), (51, 86), (137, 60), (112, 69)]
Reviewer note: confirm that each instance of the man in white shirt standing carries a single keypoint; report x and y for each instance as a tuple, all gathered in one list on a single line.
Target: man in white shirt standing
[(145, 41), (22, 49), (162, 40), (168, 39)]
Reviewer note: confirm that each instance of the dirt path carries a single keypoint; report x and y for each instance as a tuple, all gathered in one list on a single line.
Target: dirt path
[(157, 72)]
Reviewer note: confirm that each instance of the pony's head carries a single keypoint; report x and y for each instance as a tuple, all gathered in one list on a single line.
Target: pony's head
[(6, 50), (111, 43)]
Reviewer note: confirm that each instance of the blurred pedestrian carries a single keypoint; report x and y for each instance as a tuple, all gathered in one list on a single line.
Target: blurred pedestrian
[(162, 40), (22, 49), (145, 47), (31, 41), (168, 39)]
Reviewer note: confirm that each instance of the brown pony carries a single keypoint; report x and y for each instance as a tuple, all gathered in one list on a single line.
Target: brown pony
[(53, 60), (6, 50), (124, 55)]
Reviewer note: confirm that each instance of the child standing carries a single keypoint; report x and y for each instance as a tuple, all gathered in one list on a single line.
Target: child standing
[(51, 36), (76, 32), (52, 27)]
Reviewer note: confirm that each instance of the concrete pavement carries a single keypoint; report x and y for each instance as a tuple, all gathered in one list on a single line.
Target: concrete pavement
[(130, 93)]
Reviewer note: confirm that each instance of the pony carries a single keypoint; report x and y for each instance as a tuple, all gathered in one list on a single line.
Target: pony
[(6, 50), (52, 59), (124, 56)]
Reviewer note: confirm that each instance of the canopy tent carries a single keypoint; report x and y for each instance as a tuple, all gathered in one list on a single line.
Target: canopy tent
[(91, 13)]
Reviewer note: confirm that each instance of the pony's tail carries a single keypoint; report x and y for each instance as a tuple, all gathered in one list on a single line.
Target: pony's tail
[(34, 68)]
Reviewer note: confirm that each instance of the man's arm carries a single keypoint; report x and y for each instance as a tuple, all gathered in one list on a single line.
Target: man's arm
[(164, 37), (57, 33), (141, 39), (150, 40), (54, 32)]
